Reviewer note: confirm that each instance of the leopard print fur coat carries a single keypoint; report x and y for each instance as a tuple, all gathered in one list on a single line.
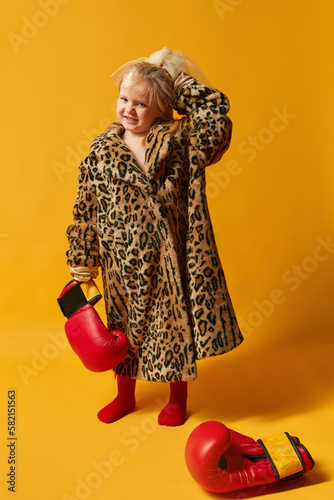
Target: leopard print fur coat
[(152, 235)]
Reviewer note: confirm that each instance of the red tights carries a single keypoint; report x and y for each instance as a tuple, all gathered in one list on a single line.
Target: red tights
[(123, 403), (174, 413)]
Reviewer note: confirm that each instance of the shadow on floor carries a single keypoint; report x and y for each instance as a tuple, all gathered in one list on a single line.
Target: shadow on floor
[(276, 381), (310, 478)]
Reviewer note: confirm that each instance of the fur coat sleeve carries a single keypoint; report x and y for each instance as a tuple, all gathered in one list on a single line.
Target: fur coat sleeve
[(82, 234), (209, 127)]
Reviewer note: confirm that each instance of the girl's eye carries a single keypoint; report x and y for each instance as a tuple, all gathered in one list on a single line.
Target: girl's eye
[(141, 104)]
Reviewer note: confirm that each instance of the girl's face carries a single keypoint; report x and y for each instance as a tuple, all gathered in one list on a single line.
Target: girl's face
[(134, 109)]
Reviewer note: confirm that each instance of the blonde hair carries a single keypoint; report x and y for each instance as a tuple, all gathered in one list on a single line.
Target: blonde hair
[(173, 62)]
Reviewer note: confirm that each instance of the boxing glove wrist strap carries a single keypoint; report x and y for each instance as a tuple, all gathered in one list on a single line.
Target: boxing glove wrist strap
[(76, 295), (283, 455)]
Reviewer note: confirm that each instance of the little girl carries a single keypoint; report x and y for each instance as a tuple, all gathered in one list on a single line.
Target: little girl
[(141, 215)]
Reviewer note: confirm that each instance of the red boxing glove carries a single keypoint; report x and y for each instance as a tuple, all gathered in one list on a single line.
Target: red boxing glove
[(222, 460), (99, 349)]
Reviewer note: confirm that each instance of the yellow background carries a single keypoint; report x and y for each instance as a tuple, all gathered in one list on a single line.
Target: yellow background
[(272, 209)]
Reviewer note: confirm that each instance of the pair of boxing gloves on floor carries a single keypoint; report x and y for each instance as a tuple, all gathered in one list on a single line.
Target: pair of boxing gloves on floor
[(218, 458)]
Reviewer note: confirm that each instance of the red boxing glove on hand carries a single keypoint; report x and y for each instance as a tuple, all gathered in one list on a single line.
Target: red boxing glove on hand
[(222, 460), (98, 348)]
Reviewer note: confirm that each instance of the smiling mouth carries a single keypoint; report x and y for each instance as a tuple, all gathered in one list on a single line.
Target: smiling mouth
[(129, 119)]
